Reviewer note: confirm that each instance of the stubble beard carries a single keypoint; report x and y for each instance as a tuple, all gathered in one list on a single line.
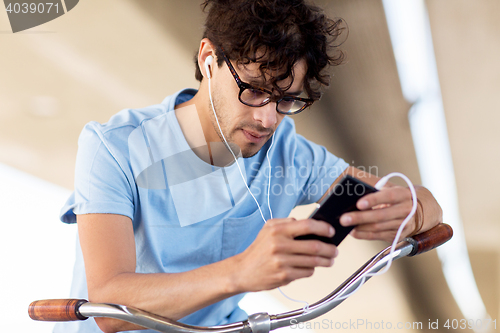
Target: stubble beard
[(236, 149)]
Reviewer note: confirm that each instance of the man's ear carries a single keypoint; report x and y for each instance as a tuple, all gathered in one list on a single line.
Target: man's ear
[(206, 55)]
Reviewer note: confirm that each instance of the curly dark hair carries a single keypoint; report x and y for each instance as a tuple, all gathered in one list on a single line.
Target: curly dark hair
[(286, 30)]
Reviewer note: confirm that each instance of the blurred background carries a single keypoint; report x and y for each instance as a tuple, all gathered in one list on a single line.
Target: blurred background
[(105, 56)]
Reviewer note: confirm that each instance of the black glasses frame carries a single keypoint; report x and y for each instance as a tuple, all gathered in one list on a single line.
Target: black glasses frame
[(243, 86)]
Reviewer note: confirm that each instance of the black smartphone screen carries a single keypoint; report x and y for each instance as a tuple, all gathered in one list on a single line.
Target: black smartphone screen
[(341, 200)]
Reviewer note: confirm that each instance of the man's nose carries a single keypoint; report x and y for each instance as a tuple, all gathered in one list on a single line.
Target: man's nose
[(266, 115)]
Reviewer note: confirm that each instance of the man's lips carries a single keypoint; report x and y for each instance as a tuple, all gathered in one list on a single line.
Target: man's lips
[(255, 137)]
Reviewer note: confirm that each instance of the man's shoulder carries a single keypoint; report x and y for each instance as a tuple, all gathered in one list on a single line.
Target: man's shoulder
[(295, 148), (287, 125), (114, 133), (129, 119), (118, 128), (287, 136), (134, 117)]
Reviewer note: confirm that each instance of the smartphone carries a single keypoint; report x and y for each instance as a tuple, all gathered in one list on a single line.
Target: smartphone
[(342, 199)]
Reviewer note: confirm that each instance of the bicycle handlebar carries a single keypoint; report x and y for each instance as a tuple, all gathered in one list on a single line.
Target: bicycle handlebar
[(430, 239), (56, 310), (75, 309)]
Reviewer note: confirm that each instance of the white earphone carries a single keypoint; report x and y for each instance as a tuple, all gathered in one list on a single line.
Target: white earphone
[(208, 63)]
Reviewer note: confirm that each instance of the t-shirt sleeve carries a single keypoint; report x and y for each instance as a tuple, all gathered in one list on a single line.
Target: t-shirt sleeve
[(316, 169), (101, 184)]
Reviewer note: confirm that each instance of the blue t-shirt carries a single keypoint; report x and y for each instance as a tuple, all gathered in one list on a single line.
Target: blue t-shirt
[(187, 213)]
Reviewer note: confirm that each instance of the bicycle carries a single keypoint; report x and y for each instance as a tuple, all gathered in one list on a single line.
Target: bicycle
[(79, 309)]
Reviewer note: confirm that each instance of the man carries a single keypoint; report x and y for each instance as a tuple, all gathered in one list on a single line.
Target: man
[(170, 223)]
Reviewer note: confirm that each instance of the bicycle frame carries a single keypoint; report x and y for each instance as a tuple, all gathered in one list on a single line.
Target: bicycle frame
[(70, 309)]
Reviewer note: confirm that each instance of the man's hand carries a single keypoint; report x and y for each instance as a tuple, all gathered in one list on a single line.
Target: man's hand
[(275, 258), (381, 214)]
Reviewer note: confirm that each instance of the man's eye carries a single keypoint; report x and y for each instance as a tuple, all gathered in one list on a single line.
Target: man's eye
[(254, 97)]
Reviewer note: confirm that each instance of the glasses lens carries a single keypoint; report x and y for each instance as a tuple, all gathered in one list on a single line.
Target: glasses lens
[(254, 97), (290, 105)]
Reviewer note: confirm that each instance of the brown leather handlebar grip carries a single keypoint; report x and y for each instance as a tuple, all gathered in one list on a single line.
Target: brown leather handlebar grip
[(430, 239), (56, 310)]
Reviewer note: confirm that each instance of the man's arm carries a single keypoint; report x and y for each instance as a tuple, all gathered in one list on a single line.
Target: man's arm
[(274, 259), (383, 212)]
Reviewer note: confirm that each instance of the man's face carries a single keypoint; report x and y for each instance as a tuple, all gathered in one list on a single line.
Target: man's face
[(248, 127)]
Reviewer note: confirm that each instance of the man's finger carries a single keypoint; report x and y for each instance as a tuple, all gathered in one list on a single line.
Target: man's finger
[(399, 211), (304, 261), (381, 226), (370, 235), (391, 195), (310, 248), (309, 226)]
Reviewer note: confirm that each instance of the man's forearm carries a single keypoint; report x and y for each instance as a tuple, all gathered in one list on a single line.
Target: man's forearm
[(172, 295), (274, 259)]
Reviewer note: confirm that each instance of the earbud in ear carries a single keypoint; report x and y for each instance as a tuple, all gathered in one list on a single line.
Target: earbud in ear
[(208, 63)]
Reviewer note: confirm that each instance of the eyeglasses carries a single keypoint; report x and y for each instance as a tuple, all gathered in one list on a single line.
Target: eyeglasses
[(256, 97)]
